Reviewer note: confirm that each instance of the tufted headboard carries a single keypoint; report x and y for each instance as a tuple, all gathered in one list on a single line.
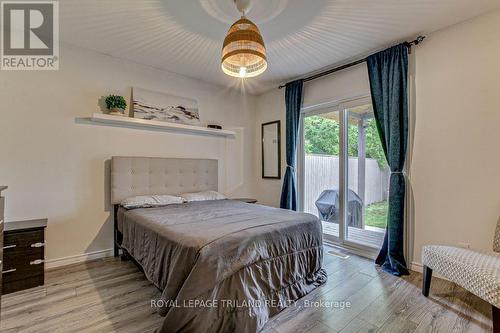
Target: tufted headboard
[(132, 176)]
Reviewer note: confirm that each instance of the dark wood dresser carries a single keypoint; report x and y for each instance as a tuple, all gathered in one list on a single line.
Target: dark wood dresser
[(24, 255), (2, 206)]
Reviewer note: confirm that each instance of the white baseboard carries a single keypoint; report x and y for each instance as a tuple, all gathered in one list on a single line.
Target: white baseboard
[(418, 267), (59, 262)]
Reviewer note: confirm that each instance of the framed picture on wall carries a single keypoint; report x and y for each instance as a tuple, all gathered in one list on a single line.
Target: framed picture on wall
[(151, 105)]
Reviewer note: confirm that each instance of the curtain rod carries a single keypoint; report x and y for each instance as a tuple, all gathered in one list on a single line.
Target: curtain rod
[(417, 41)]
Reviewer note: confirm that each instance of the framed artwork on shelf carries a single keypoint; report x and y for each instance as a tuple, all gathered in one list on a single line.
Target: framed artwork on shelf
[(151, 105)]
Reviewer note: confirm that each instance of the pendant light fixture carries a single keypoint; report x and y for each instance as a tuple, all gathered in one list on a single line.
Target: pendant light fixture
[(244, 52)]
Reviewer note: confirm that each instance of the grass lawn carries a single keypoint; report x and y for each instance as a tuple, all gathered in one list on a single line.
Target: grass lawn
[(376, 214)]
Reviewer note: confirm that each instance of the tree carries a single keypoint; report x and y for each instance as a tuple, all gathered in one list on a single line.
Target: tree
[(322, 135), (374, 147)]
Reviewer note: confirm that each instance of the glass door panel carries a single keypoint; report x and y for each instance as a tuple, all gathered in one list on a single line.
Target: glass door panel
[(343, 174), (321, 169), (367, 179)]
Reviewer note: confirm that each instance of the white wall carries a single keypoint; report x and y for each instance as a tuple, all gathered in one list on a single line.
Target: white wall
[(343, 85), (455, 174), (55, 167), (269, 107), (456, 153)]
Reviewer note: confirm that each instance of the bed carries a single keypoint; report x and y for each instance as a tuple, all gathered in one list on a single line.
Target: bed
[(222, 265)]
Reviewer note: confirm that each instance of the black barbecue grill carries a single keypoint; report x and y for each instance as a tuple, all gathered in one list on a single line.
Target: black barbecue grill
[(328, 205)]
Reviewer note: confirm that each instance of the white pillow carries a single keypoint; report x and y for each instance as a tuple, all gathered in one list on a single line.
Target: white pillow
[(203, 196), (148, 201)]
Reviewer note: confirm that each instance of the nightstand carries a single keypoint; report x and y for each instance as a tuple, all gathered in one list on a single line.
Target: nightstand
[(23, 255), (247, 200), (2, 205)]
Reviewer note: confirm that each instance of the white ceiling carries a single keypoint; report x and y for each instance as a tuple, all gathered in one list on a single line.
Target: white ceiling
[(302, 36)]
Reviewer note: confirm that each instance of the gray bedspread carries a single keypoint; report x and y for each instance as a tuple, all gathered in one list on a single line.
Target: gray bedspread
[(224, 266)]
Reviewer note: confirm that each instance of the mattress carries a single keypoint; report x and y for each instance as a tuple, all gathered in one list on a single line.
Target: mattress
[(224, 266)]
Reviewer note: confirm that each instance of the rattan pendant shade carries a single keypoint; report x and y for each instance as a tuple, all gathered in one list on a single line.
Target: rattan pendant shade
[(244, 52)]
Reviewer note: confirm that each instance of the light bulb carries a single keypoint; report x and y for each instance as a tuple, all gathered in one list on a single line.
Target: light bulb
[(243, 72)]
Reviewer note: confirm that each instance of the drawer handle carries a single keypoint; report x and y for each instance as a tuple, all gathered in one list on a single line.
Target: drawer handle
[(9, 271), (9, 247), (37, 262), (38, 244)]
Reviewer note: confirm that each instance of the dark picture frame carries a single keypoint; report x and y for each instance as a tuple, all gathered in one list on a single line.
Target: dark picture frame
[(276, 123)]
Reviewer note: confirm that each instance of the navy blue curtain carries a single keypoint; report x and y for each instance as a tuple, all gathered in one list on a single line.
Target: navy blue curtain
[(293, 101), (388, 72)]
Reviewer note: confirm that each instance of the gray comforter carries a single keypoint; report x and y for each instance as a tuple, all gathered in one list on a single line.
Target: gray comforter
[(224, 266)]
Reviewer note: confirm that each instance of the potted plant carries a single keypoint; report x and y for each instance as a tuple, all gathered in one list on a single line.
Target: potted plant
[(116, 105)]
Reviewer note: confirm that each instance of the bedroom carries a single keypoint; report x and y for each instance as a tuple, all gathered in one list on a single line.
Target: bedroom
[(69, 161)]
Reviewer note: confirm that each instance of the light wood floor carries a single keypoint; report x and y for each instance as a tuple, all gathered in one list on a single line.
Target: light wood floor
[(113, 296)]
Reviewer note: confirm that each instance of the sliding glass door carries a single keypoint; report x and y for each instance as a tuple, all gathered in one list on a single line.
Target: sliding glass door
[(343, 176), (321, 167)]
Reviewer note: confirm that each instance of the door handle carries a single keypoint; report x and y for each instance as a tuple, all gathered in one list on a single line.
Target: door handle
[(9, 271), (37, 262), (9, 247), (38, 244)]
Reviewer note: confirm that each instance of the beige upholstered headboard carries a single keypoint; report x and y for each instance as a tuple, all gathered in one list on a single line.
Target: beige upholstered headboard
[(131, 176)]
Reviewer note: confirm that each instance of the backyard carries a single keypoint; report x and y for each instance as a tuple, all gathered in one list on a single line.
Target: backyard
[(322, 170), (376, 214)]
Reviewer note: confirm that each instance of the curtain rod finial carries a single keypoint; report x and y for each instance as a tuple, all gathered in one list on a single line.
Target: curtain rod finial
[(419, 40)]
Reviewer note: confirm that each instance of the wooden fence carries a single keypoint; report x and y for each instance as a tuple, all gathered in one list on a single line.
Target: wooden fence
[(322, 173)]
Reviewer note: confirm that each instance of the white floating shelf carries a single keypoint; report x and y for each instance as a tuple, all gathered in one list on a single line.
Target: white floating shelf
[(156, 125)]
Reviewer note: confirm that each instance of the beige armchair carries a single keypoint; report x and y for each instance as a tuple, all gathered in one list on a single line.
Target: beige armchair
[(475, 271)]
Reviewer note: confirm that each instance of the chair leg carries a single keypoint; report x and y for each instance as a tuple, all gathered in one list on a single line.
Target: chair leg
[(426, 283), (496, 319)]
